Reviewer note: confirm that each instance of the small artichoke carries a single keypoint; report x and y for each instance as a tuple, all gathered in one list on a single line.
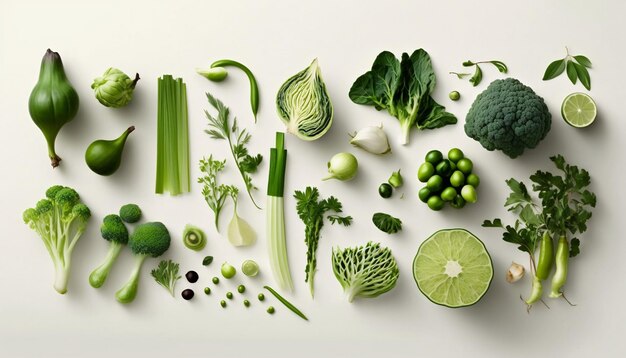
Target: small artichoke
[(114, 88)]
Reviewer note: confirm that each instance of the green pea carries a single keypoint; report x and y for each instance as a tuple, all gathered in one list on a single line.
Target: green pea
[(454, 95), (425, 171), (455, 154), (385, 190), (229, 295), (458, 202), (448, 194), (246, 303), (465, 165), (223, 303), (435, 183), (241, 288), (469, 194), (457, 179), (216, 280), (271, 310), (435, 203), (424, 194), (434, 157), (261, 297), (473, 180), (207, 290)]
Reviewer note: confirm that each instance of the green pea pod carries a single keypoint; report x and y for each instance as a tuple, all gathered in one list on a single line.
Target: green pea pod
[(546, 257), (536, 293), (560, 275), (254, 88)]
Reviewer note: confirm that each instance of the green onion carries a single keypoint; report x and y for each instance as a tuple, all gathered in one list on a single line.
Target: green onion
[(172, 173), (276, 240)]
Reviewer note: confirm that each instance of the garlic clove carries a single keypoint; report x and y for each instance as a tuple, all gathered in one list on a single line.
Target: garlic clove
[(372, 139), (515, 272)]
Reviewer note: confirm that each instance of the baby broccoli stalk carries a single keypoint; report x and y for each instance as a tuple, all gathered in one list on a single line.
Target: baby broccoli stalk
[(60, 219), (114, 231), (148, 240)]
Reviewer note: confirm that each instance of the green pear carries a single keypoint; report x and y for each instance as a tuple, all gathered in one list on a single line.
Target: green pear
[(105, 156)]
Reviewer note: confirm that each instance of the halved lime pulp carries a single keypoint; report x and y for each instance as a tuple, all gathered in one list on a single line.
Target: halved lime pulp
[(453, 268), (579, 110)]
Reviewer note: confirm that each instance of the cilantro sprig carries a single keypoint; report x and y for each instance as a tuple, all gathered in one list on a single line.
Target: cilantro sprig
[(311, 210), (221, 127)]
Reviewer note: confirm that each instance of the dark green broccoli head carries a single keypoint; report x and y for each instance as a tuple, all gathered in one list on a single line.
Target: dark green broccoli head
[(508, 116), (150, 239), (53, 190), (131, 213), (113, 229)]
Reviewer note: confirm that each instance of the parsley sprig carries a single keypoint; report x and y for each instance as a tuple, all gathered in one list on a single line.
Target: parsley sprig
[(221, 127), (215, 194), (311, 210), (565, 207)]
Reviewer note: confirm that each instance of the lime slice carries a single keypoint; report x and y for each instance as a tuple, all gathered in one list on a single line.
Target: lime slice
[(250, 268), (579, 110), (453, 268)]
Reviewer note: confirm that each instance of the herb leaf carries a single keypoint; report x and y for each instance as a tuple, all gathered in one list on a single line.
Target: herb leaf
[(477, 77), (583, 60), (500, 66), (220, 127), (214, 194), (583, 74), (207, 260), (495, 223), (387, 223), (166, 275), (554, 69), (571, 72)]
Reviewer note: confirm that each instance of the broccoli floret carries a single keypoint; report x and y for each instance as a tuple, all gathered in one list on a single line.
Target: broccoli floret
[(508, 116), (60, 220), (114, 231), (148, 240), (130, 213)]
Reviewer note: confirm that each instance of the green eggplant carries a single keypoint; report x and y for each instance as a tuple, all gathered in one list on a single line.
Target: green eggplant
[(105, 156), (53, 101)]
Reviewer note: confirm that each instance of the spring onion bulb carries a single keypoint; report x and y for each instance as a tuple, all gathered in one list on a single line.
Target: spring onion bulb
[(276, 239)]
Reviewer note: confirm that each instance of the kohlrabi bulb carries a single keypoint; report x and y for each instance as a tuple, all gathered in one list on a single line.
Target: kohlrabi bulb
[(114, 88)]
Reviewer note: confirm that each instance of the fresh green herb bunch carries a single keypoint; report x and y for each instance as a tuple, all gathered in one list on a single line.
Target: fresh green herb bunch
[(221, 127), (166, 274), (574, 65), (311, 210), (565, 209), (214, 194)]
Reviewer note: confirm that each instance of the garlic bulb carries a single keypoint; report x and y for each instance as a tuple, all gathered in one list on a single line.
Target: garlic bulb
[(515, 272), (372, 139)]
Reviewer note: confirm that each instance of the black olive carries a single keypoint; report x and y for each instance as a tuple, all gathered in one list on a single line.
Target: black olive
[(385, 190), (192, 276), (187, 294)]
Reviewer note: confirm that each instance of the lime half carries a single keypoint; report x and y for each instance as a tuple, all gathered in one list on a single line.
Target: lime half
[(250, 268), (579, 110), (453, 268)]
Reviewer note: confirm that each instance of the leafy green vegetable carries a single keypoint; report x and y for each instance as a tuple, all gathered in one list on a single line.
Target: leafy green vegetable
[(166, 275), (387, 223), (311, 210), (304, 105), (365, 271), (172, 172), (114, 88), (477, 77), (60, 219), (214, 194), (404, 89), (221, 127), (575, 66)]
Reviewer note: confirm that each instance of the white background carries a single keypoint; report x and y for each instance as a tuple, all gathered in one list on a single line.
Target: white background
[(277, 39)]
